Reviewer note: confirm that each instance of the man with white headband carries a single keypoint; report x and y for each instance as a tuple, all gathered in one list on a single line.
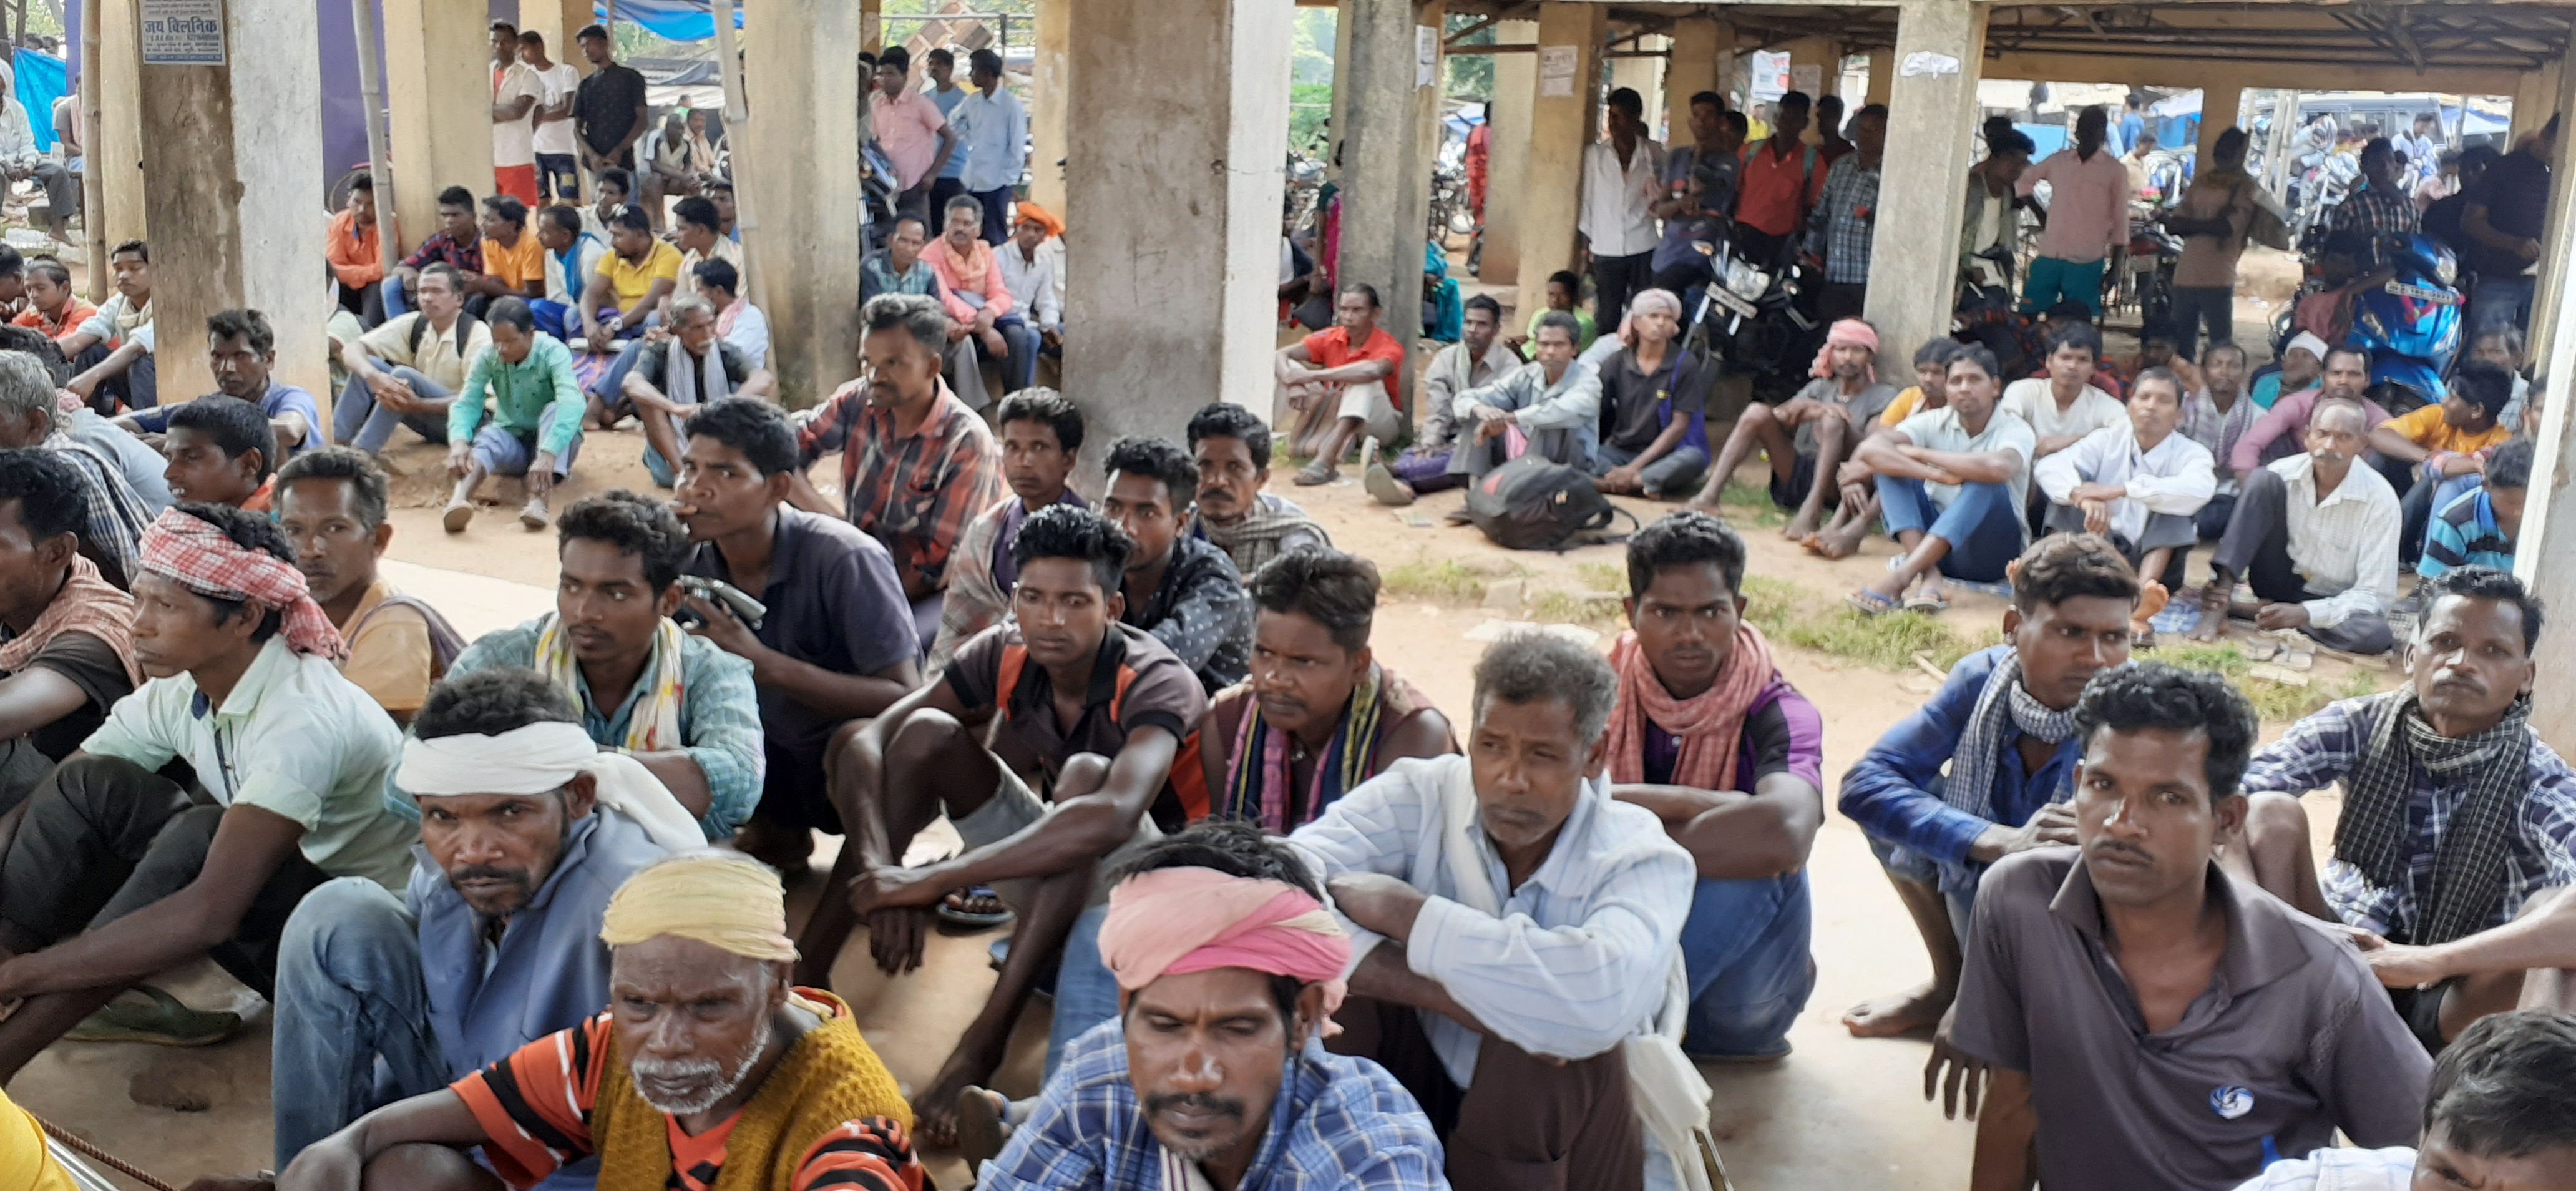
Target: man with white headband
[(1214, 1075), (496, 941), (114, 872), (708, 1069)]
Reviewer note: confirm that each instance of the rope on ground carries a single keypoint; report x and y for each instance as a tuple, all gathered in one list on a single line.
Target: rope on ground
[(111, 1161)]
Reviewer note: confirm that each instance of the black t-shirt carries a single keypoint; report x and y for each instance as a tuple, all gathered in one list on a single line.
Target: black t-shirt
[(1633, 400), (603, 107), (2515, 192), (2442, 222), (98, 672)]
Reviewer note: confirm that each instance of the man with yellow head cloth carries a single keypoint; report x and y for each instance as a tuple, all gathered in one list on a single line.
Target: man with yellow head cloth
[(707, 1072)]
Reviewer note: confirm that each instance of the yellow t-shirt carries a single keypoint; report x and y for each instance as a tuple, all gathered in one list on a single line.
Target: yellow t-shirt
[(2425, 428), (631, 281), (516, 267), (390, 658), (26, 1163), (1903, 407)]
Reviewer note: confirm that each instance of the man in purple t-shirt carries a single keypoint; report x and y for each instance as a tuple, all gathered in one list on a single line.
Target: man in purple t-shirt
[(1707, 735)]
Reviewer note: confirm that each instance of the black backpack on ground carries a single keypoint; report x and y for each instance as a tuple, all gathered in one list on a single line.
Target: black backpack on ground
[(1534, 503)]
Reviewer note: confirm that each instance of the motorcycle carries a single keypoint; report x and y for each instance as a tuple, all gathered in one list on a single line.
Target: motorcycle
[(2147, 270), (1757, 320), (1450, 212), (2411, 324)]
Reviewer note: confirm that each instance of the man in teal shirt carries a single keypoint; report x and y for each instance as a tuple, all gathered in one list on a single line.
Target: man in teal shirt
[(536, 416)]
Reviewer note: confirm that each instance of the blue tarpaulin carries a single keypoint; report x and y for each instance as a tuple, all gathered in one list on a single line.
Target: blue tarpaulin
[(41, 81), (670, 20)]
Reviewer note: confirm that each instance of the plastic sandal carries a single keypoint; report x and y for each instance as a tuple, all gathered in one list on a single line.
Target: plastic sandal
[(162, 1022), (955, 915)]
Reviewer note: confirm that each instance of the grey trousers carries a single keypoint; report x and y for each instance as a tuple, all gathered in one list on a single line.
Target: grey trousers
[(2257, 548), (357, 421), (1679, 470)]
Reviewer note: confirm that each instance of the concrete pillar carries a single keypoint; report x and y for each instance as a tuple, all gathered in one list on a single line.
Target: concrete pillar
[(1385, 164), (231, 154), (1337, 123), (117, 167), (1049, 96), (1559, 127), (438, 99), (1507, 153), (1645, 76), (1930, 119), (2218, 113), (1173, 278), (795, 171), (1882, 71), (2558, 232), (559, 20), (2533, 101), (2545, 557), (1696, 43)]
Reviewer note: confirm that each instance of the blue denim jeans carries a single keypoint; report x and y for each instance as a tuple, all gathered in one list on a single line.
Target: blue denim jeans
[(1907, 864), (1983, 525), (1085, 993), (2499, 300), (1745, 945), (352, 1031), (357, 421)]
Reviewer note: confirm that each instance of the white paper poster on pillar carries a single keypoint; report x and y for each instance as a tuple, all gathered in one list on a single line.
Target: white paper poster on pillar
[(1556, 71), (1426, 55), (183, 32), (1923, 62)]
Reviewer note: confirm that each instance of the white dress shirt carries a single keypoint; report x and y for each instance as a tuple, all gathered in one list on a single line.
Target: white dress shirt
[(2175, 476), (1617, 217), (2346, 545), (2034, 402), (993, 134), (1579, 958), (1032, 284)]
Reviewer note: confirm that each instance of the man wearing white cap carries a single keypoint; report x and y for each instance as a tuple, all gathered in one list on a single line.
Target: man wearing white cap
[(496, 941), (708, 1068)]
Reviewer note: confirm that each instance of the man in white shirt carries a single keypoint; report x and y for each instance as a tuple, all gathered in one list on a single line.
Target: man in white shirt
[(1952, 484), (558, 159), (572, 254), (1514, 927), (993, 133), (2138, 484), (738, 322), (1029, 274), (408, 371), (2064, 406), (2315, 536), (516, 92), (1621, 178)]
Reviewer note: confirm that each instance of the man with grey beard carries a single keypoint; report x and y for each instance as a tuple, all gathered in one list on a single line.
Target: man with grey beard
[(705, 1059)]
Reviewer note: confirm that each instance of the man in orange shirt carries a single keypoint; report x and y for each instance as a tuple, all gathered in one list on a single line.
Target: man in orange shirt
[(54, 309), (357, 259), (2441, 441), (1782, 180), (1337, 379), (514, 264)]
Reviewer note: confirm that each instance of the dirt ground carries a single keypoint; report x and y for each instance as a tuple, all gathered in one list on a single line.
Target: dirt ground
[(1838, 1113)]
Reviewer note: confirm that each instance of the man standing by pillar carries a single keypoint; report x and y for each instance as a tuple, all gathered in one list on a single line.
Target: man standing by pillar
[(911, 130), (516, 92), (608, 108), (2213, 217), (2088, 211), (995, 131), (1850, 216), (2504, 216), (1621, 174), (939, 73), (558, 178)]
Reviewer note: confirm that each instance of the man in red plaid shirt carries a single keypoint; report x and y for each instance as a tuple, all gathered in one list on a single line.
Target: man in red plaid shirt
[(916, 464)]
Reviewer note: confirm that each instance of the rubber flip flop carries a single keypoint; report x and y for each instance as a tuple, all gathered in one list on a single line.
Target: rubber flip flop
[(980, 1131), (1930, 605), (1314, 476), (457, 516), (954, 915), (1869, 603), (163, 1022)]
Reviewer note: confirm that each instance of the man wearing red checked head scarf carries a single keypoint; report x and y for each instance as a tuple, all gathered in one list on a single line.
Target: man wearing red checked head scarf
[(112, 873), (1809, 436), (1214, 1077)]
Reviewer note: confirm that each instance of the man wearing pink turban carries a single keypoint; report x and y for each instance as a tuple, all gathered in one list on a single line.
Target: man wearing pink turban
[(1214, 1074), (1809, 436), (114, 872)]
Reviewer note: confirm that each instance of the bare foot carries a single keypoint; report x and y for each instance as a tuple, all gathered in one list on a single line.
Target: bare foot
[(1917, 1008), (1801, 526), (1839, 543), (2213, 617), (934, 1109)]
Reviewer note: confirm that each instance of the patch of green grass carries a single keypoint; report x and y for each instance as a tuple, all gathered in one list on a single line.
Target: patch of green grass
[(1752, 502), (1421, 579), (1794, 615), (1554, 605), (1602, 576), (2274, 702)]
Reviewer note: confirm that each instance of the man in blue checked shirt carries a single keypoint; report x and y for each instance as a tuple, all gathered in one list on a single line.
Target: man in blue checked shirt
[(2457, 837), (1517, 928), (1846, 222), (2004, 725), (1213, 1074)]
